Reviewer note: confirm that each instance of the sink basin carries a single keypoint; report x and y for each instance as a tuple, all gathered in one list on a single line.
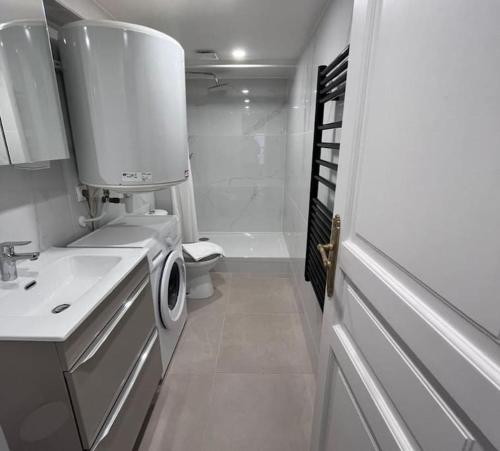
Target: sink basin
[(54, 294), (63, 281)]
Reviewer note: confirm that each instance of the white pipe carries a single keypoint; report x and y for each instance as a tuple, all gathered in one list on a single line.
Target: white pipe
[(128, 201), (83, 221)]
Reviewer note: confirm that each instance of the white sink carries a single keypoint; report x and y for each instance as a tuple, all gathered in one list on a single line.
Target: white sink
[(63, 281), (54, 294)]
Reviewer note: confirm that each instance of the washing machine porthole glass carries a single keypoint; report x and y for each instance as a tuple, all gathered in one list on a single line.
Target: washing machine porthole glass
[(173, 286)]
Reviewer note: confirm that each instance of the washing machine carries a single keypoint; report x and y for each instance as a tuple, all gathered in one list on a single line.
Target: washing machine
[(161, 236)]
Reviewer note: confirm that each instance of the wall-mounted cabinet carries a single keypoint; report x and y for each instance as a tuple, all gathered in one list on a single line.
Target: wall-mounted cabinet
[(30, 108)]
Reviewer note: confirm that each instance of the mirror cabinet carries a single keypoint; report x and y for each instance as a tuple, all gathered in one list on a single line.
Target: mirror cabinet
[(31, 118)]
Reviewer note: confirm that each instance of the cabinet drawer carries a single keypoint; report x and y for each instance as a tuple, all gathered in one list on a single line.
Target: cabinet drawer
[(430, 419), (72, 349), (98, 376), (125, 420)]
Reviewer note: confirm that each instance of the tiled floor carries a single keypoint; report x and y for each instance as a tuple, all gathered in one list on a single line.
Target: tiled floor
[(240, 379)]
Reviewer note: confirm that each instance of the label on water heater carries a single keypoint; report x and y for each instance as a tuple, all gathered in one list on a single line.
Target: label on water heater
[(137, 177)]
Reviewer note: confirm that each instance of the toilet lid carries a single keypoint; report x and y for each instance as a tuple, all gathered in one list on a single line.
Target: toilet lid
[(190, 259), (202, 250)]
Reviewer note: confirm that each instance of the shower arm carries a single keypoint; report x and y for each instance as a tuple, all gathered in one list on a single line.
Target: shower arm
[(211, 74)]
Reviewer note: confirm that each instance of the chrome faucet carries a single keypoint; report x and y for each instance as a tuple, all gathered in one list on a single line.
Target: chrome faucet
[(8, 258)]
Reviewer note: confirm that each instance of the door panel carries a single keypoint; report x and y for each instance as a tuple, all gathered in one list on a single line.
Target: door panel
[(388, 427), (431, 420), (461, 358), (351, 430), (416, 292), (383, 427), (419, 200)]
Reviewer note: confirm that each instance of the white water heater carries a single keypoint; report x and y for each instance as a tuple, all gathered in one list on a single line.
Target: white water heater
[(126, 92)]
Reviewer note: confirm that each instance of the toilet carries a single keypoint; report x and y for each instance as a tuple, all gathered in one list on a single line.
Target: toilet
[(200, 258)]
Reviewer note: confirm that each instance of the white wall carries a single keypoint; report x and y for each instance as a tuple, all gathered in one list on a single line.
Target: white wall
[(238, 153), (331, 36), (39, 205)]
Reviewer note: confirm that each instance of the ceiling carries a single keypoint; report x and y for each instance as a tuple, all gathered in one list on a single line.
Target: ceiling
[(273, 32)]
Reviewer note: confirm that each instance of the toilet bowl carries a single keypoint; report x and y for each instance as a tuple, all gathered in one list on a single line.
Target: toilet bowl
[(199, 282)]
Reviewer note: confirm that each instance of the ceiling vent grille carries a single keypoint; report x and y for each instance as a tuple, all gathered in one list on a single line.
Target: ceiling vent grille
[(207, 54)]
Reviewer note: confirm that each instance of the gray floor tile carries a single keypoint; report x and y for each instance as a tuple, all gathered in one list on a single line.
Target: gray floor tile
[(221, 278), (199, 344), (215, 304), (261, 295), (263, 343), (260, 412), (180, 415)]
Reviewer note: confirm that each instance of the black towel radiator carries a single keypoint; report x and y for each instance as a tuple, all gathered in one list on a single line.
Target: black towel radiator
[(331, 84)]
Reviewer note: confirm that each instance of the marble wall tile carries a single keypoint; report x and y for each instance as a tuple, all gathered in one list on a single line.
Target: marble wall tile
[(57, 214), (295, 229), (250, 208), (17, 207), (40, 206), (238, 160), (231, 118), (238, 154), (298, 169)]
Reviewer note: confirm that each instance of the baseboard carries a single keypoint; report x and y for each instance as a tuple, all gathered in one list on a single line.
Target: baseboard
[(254, 265)]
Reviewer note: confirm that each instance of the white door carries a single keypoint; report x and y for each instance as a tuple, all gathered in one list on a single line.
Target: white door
[(410, 355)]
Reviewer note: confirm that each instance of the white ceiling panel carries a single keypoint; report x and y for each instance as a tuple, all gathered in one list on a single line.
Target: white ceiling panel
[(271, 31)]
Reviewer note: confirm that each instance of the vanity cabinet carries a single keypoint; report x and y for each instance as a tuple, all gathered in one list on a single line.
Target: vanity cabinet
[(92, 391), (31, 120)]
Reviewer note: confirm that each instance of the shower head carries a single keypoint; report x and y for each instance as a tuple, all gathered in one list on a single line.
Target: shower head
[(218, 86)]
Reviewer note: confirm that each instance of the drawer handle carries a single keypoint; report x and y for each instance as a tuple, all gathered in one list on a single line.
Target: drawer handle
[(111, 326), (126, 391), (157, 259)]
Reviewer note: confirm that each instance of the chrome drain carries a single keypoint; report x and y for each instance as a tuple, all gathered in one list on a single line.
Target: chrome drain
[(60, 308)]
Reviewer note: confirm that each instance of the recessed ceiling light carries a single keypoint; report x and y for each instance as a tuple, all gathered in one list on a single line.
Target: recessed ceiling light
[(239, 54), (247, 107), (245, 91), (247, 100)]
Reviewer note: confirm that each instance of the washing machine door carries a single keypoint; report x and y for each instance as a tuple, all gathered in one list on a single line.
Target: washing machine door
[(172, 294)]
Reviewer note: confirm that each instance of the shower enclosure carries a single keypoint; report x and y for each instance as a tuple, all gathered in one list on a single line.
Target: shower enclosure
[(237, 140)]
